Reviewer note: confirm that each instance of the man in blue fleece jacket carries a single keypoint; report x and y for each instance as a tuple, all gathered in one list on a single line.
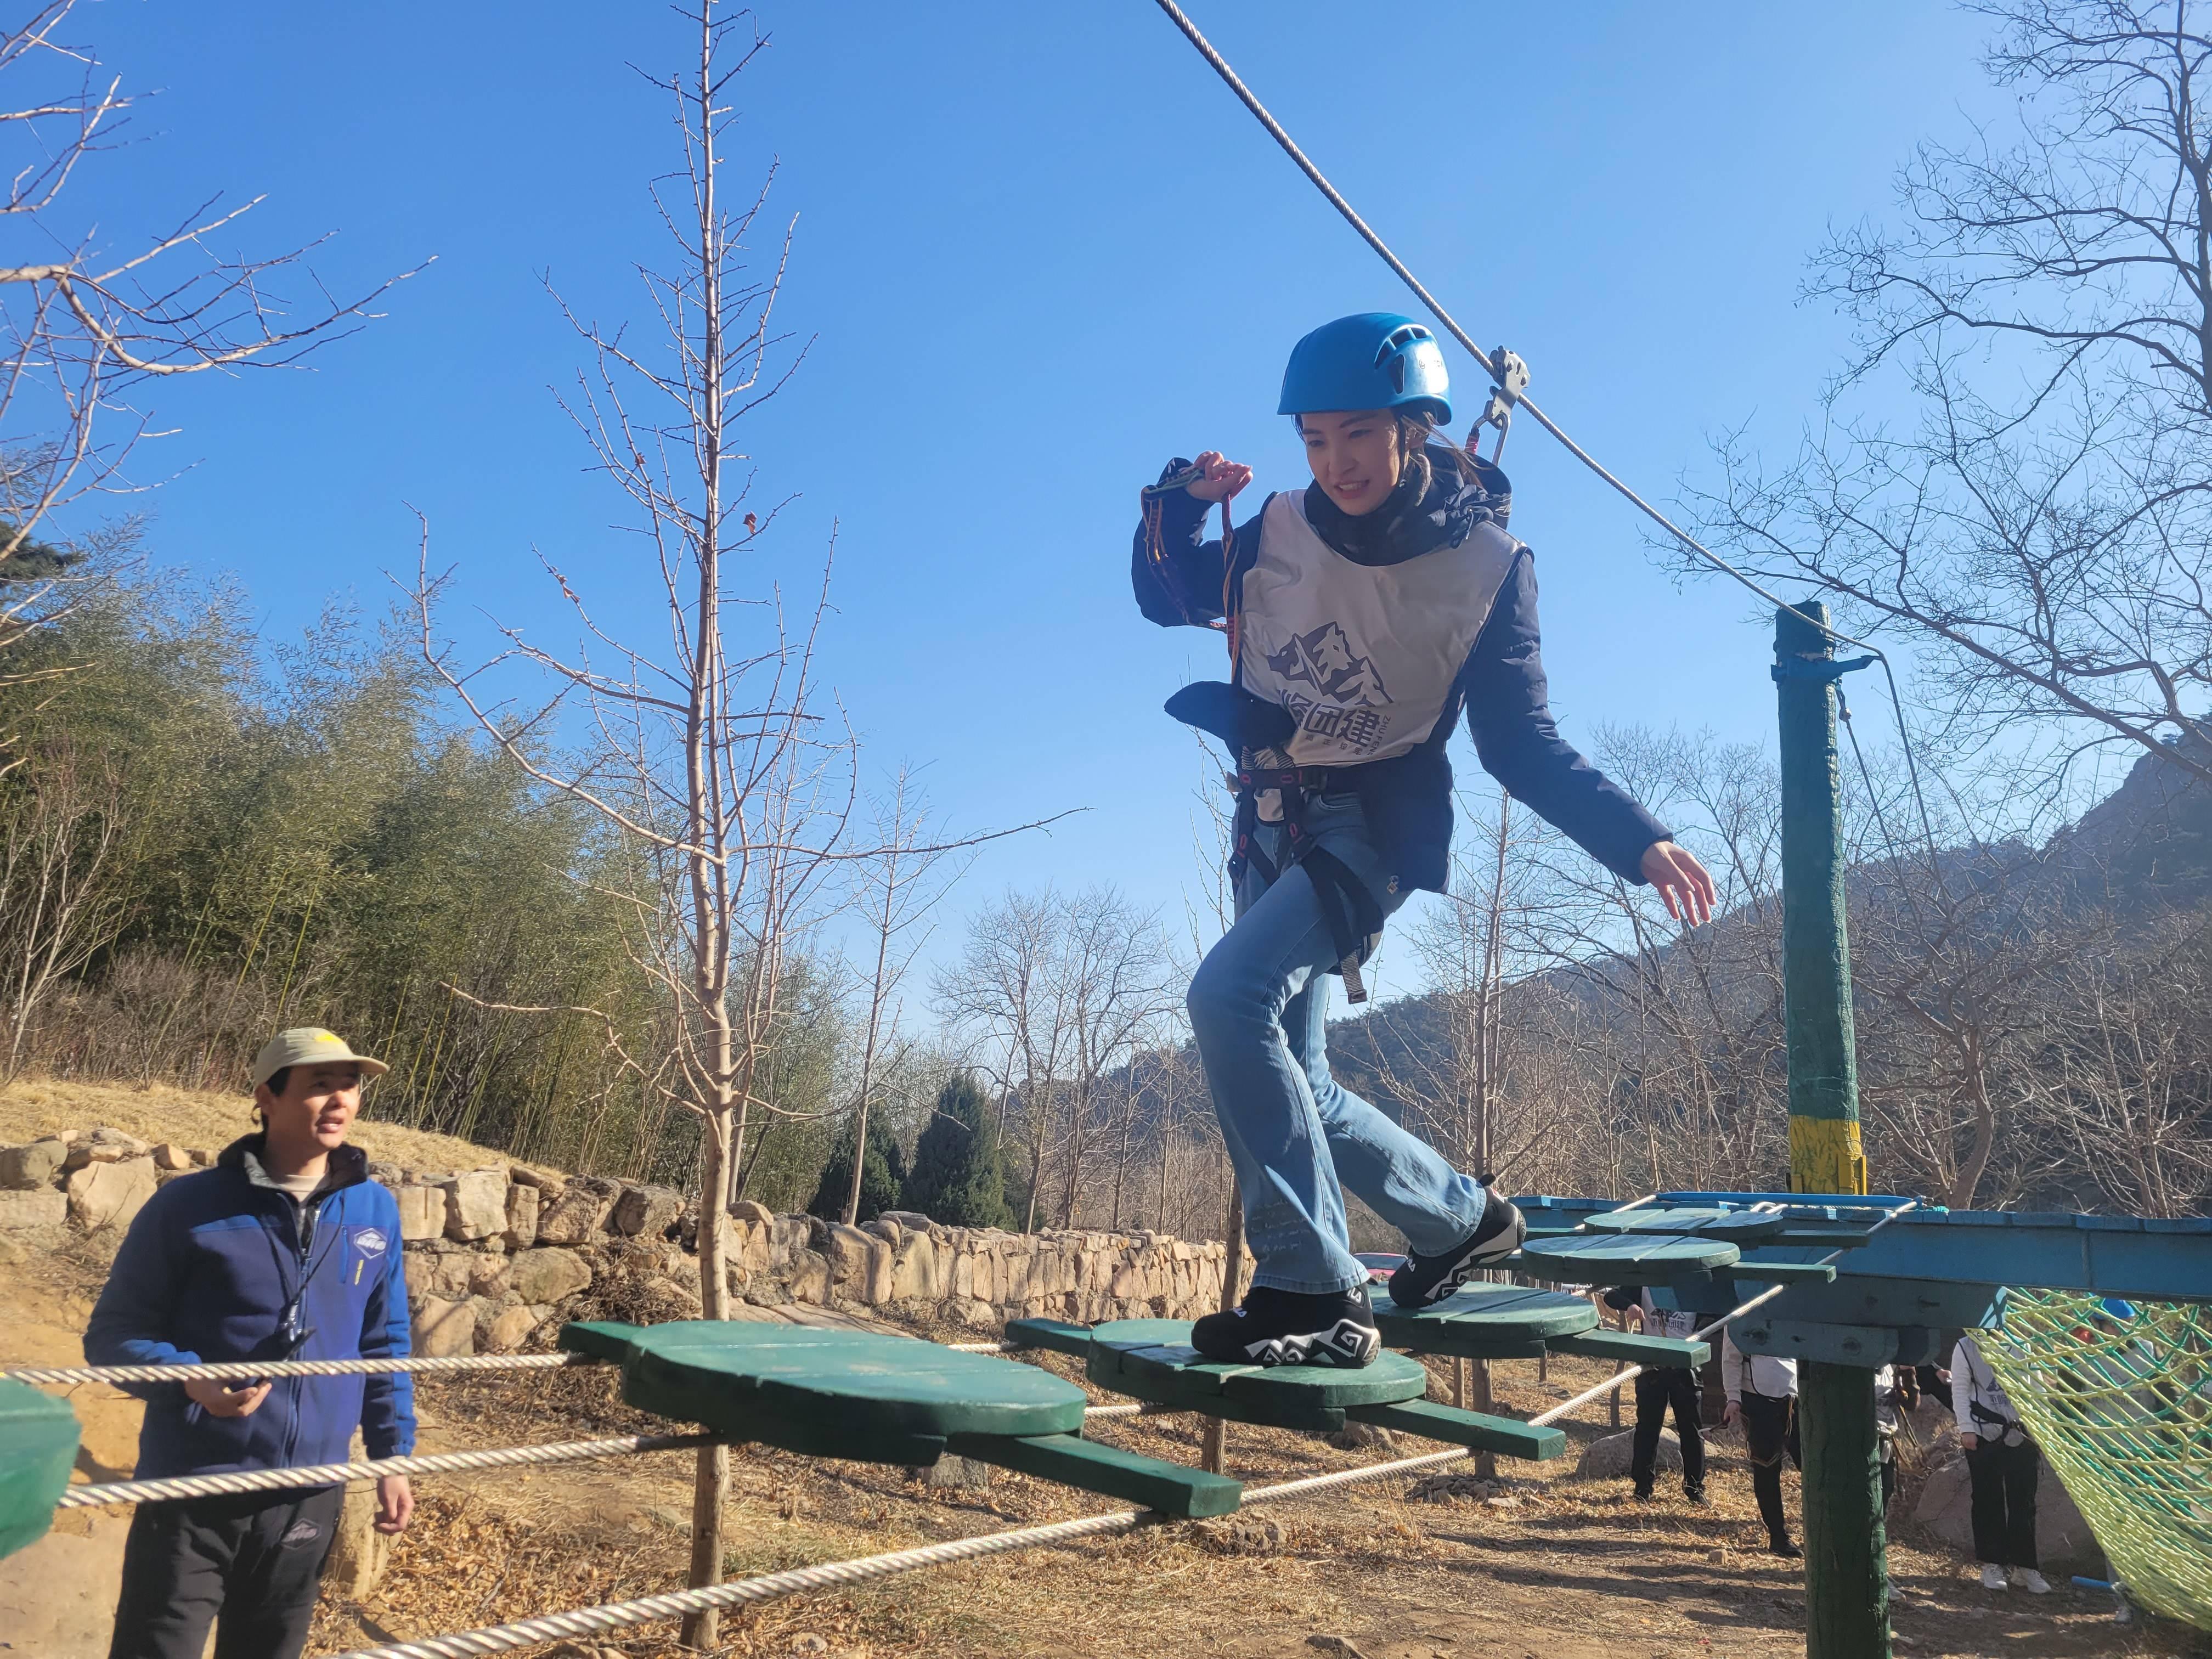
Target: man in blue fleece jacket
[(285, 1249)]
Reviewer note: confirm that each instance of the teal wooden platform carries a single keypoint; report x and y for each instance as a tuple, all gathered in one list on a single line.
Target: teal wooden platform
[(882, 1399), (1625, 1258), (1486, 1321), (38, 1450), (1735, 1226), (1152, 1359)]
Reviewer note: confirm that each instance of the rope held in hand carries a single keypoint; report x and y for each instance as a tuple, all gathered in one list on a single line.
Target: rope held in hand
[(250, 1370), (325, 1474)]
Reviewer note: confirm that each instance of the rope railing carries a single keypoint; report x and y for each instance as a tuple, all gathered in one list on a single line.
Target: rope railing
[(253, 1370), (676, 1604), (328, 1474)]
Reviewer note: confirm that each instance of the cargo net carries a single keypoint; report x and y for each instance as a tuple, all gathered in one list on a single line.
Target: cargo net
[(2119, 1396)]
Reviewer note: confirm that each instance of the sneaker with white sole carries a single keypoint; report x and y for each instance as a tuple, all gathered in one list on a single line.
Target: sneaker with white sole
[(1285, 1328), (2029, 1579), (1426, 1280), (1993, 1576)]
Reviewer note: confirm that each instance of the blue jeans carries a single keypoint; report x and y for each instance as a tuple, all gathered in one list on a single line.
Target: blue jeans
[(1258, 1010)]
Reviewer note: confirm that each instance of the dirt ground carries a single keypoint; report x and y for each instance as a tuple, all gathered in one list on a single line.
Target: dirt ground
[(1547, 1567)]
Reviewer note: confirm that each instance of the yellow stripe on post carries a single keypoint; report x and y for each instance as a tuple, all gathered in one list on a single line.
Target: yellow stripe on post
[(1826, 1156)]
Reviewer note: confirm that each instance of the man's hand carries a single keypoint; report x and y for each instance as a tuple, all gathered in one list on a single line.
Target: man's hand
[(1682, 881), (395, 1504), (1223, 479), (221, 1400), (1971, 1442), (1732, 1415)]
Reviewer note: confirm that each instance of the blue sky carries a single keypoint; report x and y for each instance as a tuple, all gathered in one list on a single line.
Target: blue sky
[(1039, 249)]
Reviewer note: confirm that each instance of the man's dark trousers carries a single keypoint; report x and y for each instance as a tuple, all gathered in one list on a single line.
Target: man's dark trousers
[(1769, 1428), (1657, 1389), (2003, 1506), (251, 1563)]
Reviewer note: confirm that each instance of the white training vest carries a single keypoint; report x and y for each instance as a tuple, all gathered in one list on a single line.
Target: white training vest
[(1364, 657)]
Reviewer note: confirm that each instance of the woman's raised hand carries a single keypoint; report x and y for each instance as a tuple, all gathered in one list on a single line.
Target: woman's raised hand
[(1223, 479), (1682, 882)]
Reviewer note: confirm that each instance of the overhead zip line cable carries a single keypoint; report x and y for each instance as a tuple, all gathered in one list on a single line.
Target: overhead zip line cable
[(1520, 399)]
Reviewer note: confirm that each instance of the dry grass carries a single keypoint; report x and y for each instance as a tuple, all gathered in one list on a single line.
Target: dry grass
[(1563, 1569), (31, 1106)]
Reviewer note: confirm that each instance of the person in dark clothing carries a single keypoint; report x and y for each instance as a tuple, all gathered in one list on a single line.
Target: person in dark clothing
[(1363, 615), (285, 1249), (1762, 1395), (1658, 1389), (2004, 1464)]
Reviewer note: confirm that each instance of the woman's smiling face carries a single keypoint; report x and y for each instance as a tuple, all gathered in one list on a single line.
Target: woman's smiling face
[(1354, 455)]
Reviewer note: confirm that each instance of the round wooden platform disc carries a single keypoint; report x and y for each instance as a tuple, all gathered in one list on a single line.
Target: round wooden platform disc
[(1153, 1360), (1625, 1258), (1737, 1226), (749, 1379), (1502, 1313)]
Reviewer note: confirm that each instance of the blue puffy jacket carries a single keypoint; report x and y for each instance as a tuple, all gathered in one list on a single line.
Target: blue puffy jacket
[(208, 1271)]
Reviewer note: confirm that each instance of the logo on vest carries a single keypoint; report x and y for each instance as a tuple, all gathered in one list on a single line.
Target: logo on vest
[(302, 1532), (1323, 658), (370, 1242)]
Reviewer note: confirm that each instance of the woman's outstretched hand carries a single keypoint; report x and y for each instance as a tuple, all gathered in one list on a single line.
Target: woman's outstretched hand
[(1683, 883), (1223, 479)]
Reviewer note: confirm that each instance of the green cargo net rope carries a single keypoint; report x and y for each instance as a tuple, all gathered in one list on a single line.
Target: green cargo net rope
[(2120, 1397)]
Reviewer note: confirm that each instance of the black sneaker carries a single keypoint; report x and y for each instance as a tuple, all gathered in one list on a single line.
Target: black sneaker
[(1785, 1549), (1696, 1495), (1427, 1279), (1284, 1327)]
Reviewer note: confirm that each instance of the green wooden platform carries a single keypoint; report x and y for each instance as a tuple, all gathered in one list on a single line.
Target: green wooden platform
[(1625, 1258), (1152, 1359), (1485, 1321), (882, 1399), (37, 1448), (1736, 1226)]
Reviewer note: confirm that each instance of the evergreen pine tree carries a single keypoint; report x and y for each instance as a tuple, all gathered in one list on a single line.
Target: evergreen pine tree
[(957, 1176), (882, 1176)]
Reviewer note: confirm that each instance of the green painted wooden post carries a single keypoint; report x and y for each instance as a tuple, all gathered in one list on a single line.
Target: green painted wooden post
[(1846, 1548), (1825, 1153)]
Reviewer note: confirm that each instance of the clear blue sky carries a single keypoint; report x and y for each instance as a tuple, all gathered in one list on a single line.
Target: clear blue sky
[(1042, 249)]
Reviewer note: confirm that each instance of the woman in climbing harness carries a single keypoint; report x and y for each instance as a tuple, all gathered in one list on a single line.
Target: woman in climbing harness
[(1362, 613)]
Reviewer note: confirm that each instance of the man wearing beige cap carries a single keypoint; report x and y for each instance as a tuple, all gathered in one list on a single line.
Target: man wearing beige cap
[(285, 1249)]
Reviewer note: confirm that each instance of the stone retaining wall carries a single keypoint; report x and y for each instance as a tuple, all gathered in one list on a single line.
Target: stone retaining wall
[(494, 1255)]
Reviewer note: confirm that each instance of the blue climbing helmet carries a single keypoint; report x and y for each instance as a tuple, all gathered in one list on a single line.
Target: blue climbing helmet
[(1375, 360)]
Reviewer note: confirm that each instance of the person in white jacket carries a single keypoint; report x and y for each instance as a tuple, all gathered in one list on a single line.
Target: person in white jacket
[(1762, 1395), (2002, 1463)]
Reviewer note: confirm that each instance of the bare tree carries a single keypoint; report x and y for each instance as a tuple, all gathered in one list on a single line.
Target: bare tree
[(708, 756), (2046, 524), (899, 883), (1064, 988), (2122, 1077), (84, 331), (62, 901)]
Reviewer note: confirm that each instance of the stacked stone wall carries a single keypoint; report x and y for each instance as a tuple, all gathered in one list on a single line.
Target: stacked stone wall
[(495, 1255)]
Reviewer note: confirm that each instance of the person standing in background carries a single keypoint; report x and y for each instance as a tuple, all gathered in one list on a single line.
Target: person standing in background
[(2002, 1463), (286, 1249), (1658, 1387), (1762, 1395)]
